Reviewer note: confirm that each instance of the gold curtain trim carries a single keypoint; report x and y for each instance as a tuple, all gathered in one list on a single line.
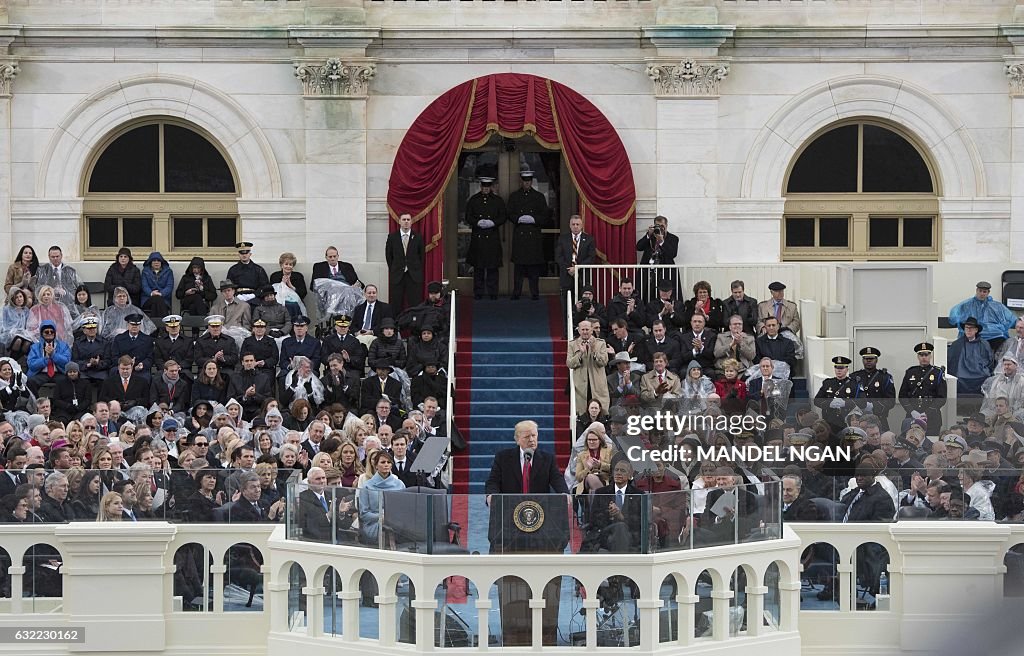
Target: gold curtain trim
[(529, 130), (447, 178), (568, 165)]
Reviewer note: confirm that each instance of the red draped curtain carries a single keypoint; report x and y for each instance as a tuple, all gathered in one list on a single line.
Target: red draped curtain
[(515, 105)]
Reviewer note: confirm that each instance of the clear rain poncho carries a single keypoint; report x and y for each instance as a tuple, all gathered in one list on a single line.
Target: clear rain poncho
[(335, 297), (51, 310), (13, 323), (113, 317)]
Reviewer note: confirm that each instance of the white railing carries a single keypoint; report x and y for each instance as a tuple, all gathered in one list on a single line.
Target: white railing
[(569, 307), (449, 408)]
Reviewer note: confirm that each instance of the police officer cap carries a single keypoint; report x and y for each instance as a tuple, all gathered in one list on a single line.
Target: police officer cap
[(776, 286), (434, 288), (842, 361), (666, 286), (853, 433), (526, 175), (342, 320), (983, 284), (172, 320), (870, 352), (301, 320), (486, 180), (91, 322), (971, 321), (924, 347), (215, 320), (259, 323), (134, 317)]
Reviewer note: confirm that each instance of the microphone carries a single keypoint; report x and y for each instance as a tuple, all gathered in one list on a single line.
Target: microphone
[(528, 454)]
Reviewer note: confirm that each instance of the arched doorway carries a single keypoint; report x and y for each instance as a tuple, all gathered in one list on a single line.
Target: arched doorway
[(585, 166)]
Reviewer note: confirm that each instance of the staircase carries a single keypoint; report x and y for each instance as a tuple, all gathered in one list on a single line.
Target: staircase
[(509, 367)]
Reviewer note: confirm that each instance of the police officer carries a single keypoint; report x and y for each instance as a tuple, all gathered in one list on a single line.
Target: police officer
[(876, 386), (833, 397), (248, 275), (485, 212), (924, 388), (528, 209)]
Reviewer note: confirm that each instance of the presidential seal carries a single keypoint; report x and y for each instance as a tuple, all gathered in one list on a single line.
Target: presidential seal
[(528, 516)]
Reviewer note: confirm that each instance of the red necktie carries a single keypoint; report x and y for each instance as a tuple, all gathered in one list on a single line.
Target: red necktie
[(51, 370), (526, 477)]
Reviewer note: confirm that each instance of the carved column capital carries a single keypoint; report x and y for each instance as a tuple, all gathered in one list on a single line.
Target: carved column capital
[(1014, 70), (688, 78), (8, 71), (334, 78)]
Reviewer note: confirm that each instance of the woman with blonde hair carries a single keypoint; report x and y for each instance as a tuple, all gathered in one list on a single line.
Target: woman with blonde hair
[(289, 284), (348, 464), (111, 508), (369, 469), (323, 460), (49, 309), (594, 461)]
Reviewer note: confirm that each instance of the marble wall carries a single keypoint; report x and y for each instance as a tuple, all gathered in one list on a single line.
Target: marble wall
[(711, 155)]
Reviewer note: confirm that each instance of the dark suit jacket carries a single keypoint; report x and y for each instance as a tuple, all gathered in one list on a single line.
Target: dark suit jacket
[(669, 249), (369, 394), (587, 254), (781, 348), (182, 399), (706, 357), (398, 260), (239, 512), (7, 484), (323, 270), (406, 476), (746, 514), (875, 506), (136, 394), (394, 421), (314, 521), (801, 510), (380, 310), (141, 348), (506, 475), (632, 511)]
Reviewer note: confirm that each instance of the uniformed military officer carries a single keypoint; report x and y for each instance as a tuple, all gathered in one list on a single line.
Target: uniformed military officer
[(245, 273), (485, 212), (833, 399), (528, 208), (877, 388), (924, 388)]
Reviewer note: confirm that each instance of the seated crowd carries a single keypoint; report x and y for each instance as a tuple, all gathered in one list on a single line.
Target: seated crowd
[(708, 358), (114, 413)]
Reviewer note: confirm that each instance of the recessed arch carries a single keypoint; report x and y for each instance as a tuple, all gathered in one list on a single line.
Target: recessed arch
[(958, 167), (84, 128)]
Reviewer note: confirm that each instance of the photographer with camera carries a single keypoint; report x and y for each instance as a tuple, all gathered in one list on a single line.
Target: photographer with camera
[(658, 246), (589, 309)]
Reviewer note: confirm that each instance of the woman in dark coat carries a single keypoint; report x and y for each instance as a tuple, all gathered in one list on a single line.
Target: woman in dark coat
[(123, 273), (195, 289), (388, 346), (427, 349), (703, 303), (209, 386)]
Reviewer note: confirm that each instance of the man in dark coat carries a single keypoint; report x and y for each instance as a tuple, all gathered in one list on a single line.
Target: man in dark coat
[(699, 345), (73, 394), (322, 515), (125, 386), (300, 344), (345, 344), (528, 210), (877, 387), (924, 388), (405, 254), (135, 344), (171, 389), (245, 273), (796, 505), (435, 311), (736, 518), (379, 384), (741, 304), (658, 246), (369, 314), (91, 351), (172, 345), (616, 518), (250, 387), (772, 344), (263, 347), (334, 268), (836, 394), (429, 382), (572, 249), (215, 345), (485, 212), (869, 502)]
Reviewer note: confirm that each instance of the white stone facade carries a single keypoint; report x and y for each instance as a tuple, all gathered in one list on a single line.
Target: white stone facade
[(712, 99)]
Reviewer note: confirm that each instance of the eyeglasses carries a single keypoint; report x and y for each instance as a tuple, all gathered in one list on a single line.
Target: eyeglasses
[(202, 444)]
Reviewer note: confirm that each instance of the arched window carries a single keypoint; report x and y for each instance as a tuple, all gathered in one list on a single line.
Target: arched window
[(861, 190), (160, 185)]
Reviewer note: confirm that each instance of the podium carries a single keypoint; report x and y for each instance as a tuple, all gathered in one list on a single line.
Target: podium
[(528, 523)]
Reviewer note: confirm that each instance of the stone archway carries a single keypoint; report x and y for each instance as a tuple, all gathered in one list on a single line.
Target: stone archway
[(958, 164), (82, 130)]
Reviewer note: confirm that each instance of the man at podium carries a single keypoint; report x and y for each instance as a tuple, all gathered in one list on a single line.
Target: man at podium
[(526, 517)]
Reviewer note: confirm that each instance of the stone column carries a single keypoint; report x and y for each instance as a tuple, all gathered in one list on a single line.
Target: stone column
[(218, 572), (720, 605), (350, 614), (686, 614), (928, 580), (386, 627), (592, 606), (789, 604), (17, 574), (1014, 68), (483, 623), (650, 630), (687, 155), (755, 609), (314, 610), (131, 583), (275, 599), (425, 628), (335, 91), (846, 585), (537, 608), (8, 71)]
